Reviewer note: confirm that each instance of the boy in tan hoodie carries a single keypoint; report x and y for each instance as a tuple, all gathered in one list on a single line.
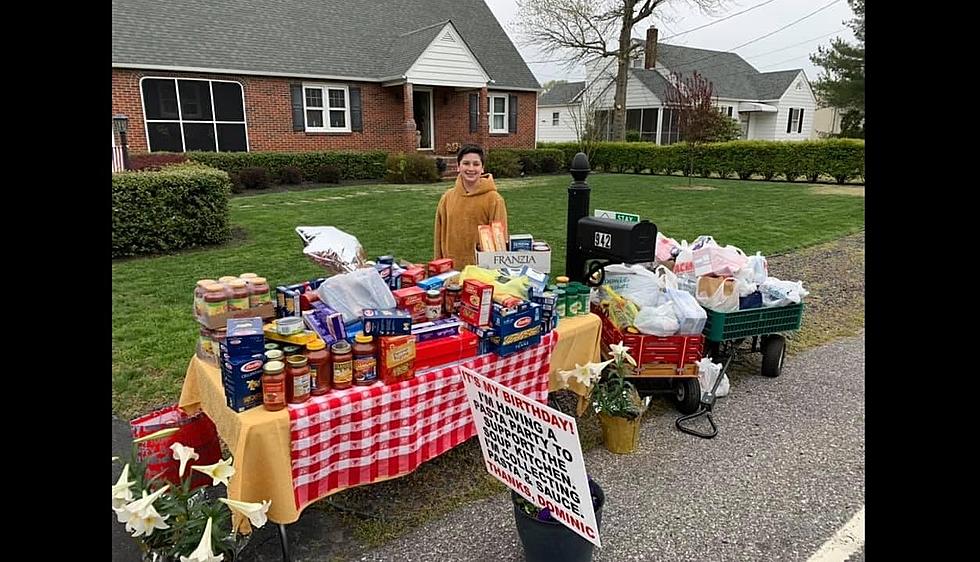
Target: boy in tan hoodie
[(473, 201)]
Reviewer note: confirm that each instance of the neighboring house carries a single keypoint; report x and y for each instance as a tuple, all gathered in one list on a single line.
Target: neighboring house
[(768, 105), (826, 122), (285, 75), (560, 113)]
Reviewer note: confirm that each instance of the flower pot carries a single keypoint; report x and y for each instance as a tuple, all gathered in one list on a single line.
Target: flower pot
[(620, 435), (549, 541)]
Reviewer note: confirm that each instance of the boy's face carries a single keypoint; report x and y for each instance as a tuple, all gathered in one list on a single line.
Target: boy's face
[(471, 168)]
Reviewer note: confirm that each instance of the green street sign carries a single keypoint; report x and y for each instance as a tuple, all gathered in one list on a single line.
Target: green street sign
[(616, 215)]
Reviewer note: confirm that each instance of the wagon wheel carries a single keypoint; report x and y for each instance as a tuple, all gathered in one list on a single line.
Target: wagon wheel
[(773, 354), (687, 395)]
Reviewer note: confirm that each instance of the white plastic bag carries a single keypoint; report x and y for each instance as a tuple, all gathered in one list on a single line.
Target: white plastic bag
[(684, 264), (717, 293), (782, 293), (759, 267), (745, 282), (691, 317), (657, 320), (664, 247), (641, 286), (708, 374), (350, 293)]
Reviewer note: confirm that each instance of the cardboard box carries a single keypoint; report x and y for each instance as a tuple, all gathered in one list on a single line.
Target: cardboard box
[(243, 338), (440, 266), (517, 331), (386, 322), (242, 383), (473, 316), (397, 358), (520, 242), (441, 351), (265, 311), (411, 276), (440, 328), (540, 261), (411, 299)]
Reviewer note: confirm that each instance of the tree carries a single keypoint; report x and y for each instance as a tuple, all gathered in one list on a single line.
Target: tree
[(698, 118), (841, 84), (586, 30), (552, 83)]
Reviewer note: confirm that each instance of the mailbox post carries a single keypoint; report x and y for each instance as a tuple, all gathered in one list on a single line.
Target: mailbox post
[(578, 207)]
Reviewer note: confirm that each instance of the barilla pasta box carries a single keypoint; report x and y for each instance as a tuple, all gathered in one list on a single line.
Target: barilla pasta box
[(484, 333), (244, 338), (411, 299), (241, 379), (440, 266), (386, 322), (396, 358), (517, 331)]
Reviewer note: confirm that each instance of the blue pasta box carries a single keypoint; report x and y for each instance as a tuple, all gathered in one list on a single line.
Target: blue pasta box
[(439, 328), (517, 341), (521, 242), (485, 333), (386, 322), (395, 281), (384, 269), (388, 260), (517, 331), (241, 379), (244, 338), (752, 300)]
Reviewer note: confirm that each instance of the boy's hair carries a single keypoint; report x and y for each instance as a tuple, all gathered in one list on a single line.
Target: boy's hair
[(470, 149)]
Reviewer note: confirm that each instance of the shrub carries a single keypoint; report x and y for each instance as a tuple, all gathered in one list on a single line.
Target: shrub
[(353, 165), (328, 173), (155, 160), (180, 206), (291, 175), (633, 136), (411, 168), (441, 166), (503, 164), (254, 178)]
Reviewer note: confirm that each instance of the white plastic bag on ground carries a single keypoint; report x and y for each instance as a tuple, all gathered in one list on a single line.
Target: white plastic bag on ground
[(708, 374), (691, 317), (657, 320), (350, 293), (782, 293)]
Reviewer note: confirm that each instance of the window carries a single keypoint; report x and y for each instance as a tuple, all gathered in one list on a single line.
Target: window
[(795, 123), (326, 108), (642, 121), (725, 110), (554, 119), (184, 114), (498, 113), (669, 131)]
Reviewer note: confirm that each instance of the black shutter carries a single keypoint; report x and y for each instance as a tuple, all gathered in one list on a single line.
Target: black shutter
[(356, 121), (512, 124), (789, 122), (799, 128), (297, 94), (474, 112)]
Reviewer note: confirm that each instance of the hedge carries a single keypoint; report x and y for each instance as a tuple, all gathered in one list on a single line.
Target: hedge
[(531, 161), (842, 159), (353, 165), (180, 206)]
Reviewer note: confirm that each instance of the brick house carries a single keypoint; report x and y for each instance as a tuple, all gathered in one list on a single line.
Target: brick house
[(257, 75)]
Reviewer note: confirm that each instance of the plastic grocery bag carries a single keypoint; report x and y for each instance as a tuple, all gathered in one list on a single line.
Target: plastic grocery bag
[(717, 293), (636, 283), (350, 293), (759, 267), (684, 264), (332, 248), (782, 293), (665, 246), (745, 282), (657, 320), (691, 317), (707, 375), (712, 259)]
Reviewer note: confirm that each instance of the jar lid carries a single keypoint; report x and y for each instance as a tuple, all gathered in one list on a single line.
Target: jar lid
[(248, 276), (361, 338), (434, 293), (316, 345), (237, 283), (271, 345), (341, 347), (290, 349), (203, 283), (273, 367), (296, 360), (215, 287), (561, 279), (226, 278), (257, 280), (273, 355)]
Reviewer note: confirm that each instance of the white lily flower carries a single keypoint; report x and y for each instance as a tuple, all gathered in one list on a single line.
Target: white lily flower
[(121, 493), (220, 471), (203, 552), (565, 375), (595, 371), (146, 521), (184, 455), (157, 434), (254, 511), (140, 505), (621, 352), (114, 459)]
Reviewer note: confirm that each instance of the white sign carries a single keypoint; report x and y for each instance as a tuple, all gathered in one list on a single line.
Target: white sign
[(538, 261), (534, 450), (616, 215)]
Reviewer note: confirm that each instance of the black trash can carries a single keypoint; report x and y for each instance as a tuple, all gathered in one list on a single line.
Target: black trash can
[(550, 541)]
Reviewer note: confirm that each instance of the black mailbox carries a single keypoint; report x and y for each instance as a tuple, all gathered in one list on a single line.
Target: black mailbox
[(616, 241)]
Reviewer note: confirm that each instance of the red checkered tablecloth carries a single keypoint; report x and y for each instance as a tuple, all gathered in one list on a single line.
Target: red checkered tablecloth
[(362, 435)]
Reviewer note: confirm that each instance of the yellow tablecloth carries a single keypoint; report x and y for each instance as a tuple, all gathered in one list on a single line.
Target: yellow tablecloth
[(259, 439)]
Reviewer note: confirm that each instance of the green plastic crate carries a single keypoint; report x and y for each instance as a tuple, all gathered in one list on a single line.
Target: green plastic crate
[(753, 322)]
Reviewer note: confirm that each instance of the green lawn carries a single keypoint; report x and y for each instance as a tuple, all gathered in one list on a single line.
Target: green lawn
[(153, 331)]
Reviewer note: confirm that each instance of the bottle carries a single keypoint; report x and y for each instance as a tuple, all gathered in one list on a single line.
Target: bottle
[(584, 295), (319, 361), (561, 281), (215, 301), (297, 379), (365, 360), (199, 291), (433, 305), (343, 365), (239, 295), (572, 305), (273, 386), (258, 292), (450, 303)]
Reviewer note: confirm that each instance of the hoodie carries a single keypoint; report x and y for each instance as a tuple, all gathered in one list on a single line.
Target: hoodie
[(459, 214)]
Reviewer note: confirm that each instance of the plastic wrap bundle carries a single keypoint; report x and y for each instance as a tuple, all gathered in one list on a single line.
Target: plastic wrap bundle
[(331, 248)]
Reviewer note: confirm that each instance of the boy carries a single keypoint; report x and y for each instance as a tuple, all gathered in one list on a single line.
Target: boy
[(473, 201)]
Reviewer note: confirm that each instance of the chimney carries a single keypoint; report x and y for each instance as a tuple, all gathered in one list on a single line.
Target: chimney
[(650, 50)]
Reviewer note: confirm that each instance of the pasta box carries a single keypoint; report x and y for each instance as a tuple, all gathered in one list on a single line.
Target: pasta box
[(397, 358), (241, 379), (386, 322), (445, 350)]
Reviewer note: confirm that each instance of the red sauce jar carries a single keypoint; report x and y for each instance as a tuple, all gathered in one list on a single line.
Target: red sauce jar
[(365, 360), (297, 379), (239, 295), (451, 300), (215, 300), (258, 292), (342, 362), (433, 304), (274, 386), (318, 359)]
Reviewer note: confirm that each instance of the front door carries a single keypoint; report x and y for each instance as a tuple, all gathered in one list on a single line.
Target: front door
[(422, 102), (743, 119)]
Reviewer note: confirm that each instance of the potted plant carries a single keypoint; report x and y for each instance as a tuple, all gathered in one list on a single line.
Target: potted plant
[(545, 539), (175, 522)]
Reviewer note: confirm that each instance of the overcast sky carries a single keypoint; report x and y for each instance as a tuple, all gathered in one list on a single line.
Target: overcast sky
[(787, 49)]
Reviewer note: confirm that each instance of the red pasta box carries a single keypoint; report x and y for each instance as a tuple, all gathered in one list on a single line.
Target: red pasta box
[(477, 294), (397, 358), (441, 351), (440, 266), (412, 276), (411, 299), (474, 316)]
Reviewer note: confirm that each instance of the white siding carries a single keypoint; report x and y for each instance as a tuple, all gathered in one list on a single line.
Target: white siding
[(762, 126), (447, 62), (566, 129), (798, 95), (637, 95)]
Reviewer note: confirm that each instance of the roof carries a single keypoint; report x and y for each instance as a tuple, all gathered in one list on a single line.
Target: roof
[(353, 39), (562, 94), (653, 80), (730, 75)]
